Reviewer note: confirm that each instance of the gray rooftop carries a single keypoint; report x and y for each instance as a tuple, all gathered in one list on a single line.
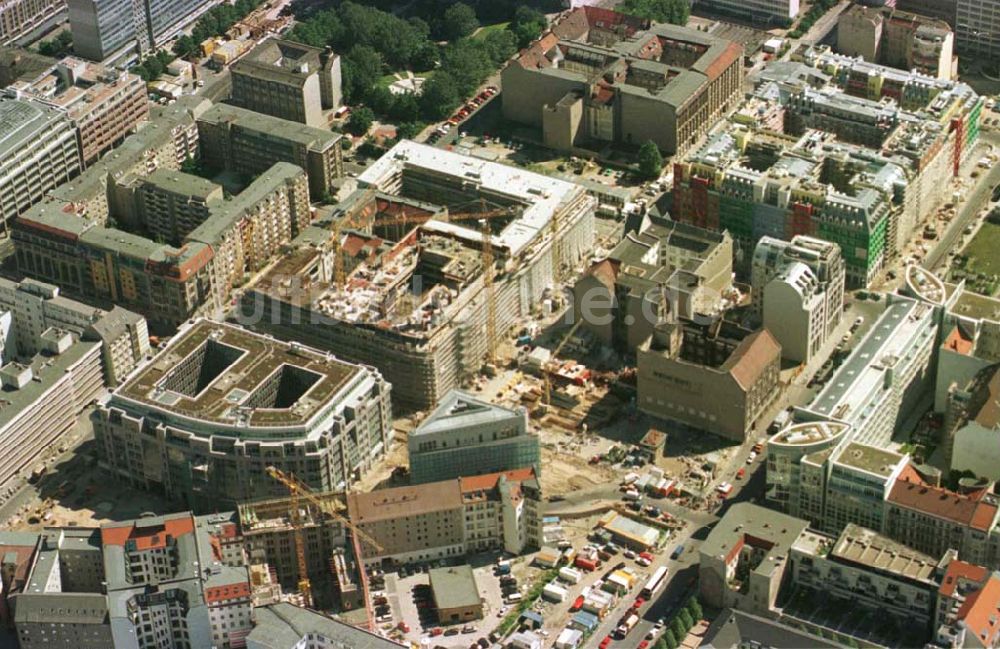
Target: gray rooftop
[(317, 139), (733, 629), (749, 520), (284, 626), (66, 608), (460, 409), (454, 587)]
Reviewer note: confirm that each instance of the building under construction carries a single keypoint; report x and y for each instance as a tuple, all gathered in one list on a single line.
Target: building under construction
[(419, 309)]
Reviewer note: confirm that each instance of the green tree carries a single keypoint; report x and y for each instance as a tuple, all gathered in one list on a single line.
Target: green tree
[(694, 608), (685, 619), (500, 45), (459, 21), (650, 160), (425, 58), (185, 46), (404, 108), (669, 639), (661, 11), (527, 24), (57, 47), (408, 130), (361, 70), (438, 97), (677, 628), (360, 120)]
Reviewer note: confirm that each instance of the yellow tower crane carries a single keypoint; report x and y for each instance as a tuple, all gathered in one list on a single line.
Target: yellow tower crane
[(297, 488), (555, 354)]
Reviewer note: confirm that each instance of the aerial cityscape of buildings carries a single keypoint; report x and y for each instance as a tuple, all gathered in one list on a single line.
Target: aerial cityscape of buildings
[(627, 326)]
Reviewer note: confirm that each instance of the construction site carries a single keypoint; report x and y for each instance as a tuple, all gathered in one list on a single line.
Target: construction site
[(445, 284)]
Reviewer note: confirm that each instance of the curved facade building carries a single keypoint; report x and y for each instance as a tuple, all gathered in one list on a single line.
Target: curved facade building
[(796, 457), (205, 418)]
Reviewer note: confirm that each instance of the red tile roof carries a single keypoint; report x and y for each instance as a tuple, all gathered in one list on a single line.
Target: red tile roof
[(228, 591), (958, 572), (490, 480), (957, 342), (751, 357), (148, 538), (964, 509), (981, 612)]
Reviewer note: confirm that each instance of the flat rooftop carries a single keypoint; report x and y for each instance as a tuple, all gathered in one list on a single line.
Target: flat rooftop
[(454, 587), (852, 392), (459, 409), (809, 433), (864, 547), (869, 459), (219, 373), (539, 196)]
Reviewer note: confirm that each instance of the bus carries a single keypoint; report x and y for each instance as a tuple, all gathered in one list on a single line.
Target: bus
[(655, 583)]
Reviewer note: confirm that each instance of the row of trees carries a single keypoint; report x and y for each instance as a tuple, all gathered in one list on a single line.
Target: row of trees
[(681, 624), (661, 11), (816, 10)]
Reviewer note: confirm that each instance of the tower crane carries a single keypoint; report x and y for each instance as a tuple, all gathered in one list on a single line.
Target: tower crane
[(555, 354), (297, 488), (491, 305)]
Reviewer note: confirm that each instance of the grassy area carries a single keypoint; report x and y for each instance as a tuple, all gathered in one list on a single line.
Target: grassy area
[(982, 250), (485, 31)]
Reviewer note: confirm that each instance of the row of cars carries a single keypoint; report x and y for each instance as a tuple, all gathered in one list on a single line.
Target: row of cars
[(462, 114)]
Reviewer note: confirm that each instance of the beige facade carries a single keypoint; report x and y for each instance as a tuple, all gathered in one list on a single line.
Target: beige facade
[(721, 385), (20, 17), (898, 39)]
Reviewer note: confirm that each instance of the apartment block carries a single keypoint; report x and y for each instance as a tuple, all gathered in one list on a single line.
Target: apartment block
[(667, 266), (972, 424), (35, 307), (779, 12), (933, 520), (167, 283), (465, 436), (45, 394), (38, 151), (249, 142), (718, 377), (601, 77), (898, 39), (19, 18), (819, 176), (798, 292), (120, 31), (968, 600), (205, 418), (977, 27), (417, 312), (435, 520), (288, 80)]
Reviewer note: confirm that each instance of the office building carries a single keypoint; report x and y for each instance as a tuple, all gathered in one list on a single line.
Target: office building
[(44, 394), (866, 568), (456, 594), (419, 314), (248, 142), (798, 292), (38, 151), (283, 626), (441, 520), (777, 12), (105, 105), (287, 80), (818, 175), (683, 269), (599, 77), (204, 419), (898, 39), (465, 436), (120, 31), (743, 561), (841, 438), (19, 18), (718, 378)]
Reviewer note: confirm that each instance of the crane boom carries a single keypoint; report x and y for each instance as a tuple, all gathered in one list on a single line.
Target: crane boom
[(491, 306)]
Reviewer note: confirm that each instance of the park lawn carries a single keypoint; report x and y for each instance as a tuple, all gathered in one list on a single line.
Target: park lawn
[(486, 29), (982, 250)]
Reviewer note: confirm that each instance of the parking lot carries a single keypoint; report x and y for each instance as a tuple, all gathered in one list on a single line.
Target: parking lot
[(409, 601)]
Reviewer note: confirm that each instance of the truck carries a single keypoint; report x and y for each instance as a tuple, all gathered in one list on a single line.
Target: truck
[(626, 627), (678, 551), (503, 568)]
